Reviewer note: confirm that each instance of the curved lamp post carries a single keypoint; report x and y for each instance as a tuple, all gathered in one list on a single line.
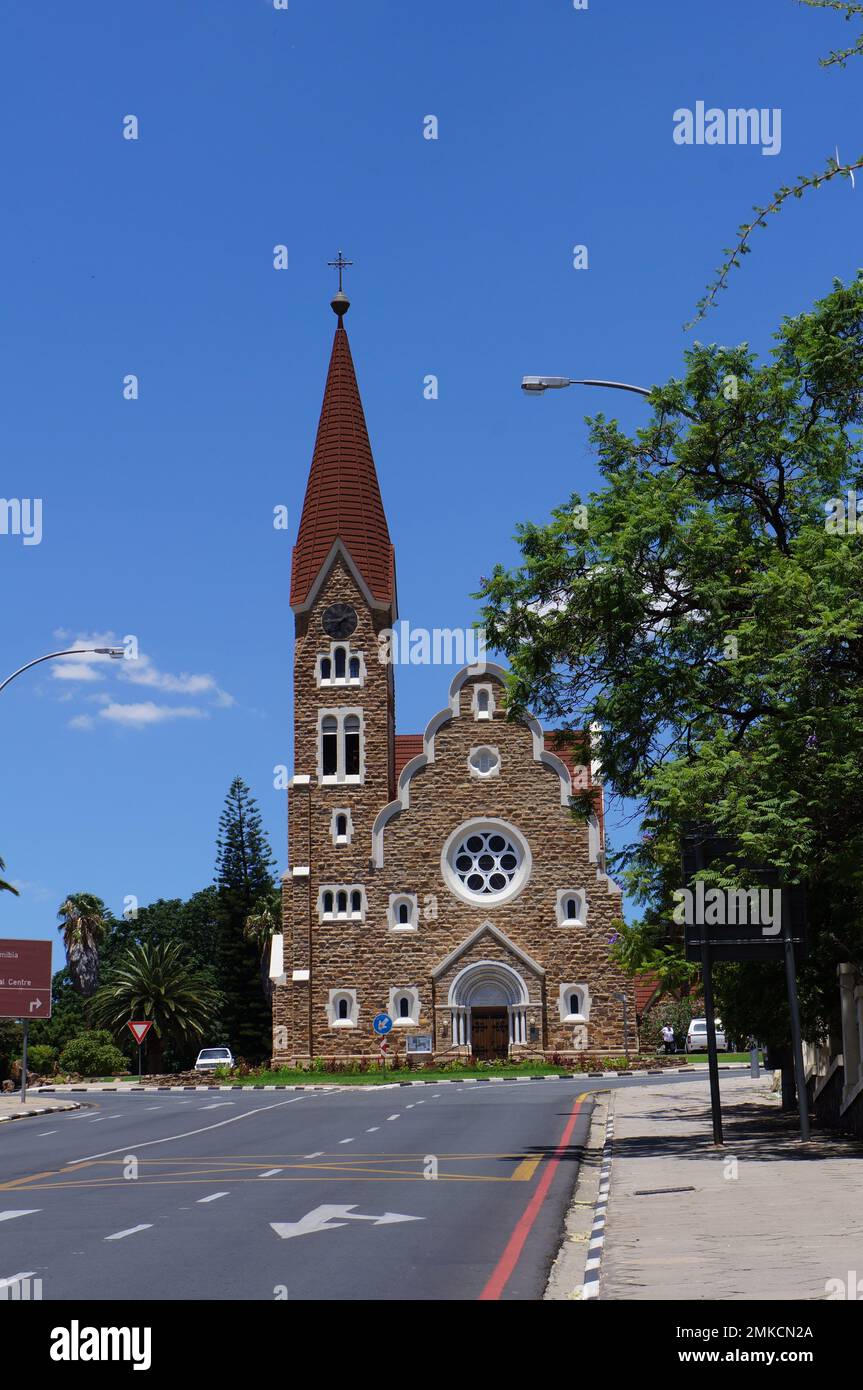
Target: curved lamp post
[(114, 652), (535, 385)]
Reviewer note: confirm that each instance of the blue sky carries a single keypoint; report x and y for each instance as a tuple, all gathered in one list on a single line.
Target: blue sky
[(304, 127)]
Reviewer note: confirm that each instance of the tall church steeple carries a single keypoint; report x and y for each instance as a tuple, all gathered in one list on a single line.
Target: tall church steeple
[(343, 498)]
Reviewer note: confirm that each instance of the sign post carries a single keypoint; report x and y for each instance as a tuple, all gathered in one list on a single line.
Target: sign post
[(139, 1032), (750, 924), (382, 1023), (25, 988)]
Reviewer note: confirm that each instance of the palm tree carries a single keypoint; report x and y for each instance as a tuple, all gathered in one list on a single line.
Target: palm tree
[(84, 929), (152, 981), (262, 924), (4, 886)]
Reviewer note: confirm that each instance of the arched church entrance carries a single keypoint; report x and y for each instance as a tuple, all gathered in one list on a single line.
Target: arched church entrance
[(489, 1009)]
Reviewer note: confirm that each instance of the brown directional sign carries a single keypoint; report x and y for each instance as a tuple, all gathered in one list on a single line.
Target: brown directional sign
[(25, 979)]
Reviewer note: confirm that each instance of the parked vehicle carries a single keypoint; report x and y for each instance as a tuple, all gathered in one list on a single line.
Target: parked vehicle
[(696, 1037), (211, 1057)]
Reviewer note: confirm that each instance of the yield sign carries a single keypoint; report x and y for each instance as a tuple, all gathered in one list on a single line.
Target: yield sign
[(140, 1030), (321, 1219)]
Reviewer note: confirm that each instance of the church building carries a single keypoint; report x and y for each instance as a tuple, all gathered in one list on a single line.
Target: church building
[(439, 877)]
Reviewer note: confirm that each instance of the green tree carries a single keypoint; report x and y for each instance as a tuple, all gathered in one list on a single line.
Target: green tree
[(67, 1013), (244, 865), (833, 168), (92, 1054), (154, 982), (263, 923), (709, 617), (85, 927)]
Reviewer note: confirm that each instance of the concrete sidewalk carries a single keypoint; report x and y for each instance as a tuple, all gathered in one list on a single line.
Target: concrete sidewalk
[(767, 1217), (12, 1109)]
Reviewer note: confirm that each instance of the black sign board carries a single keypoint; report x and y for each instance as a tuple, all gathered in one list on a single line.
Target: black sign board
[(739, 924)]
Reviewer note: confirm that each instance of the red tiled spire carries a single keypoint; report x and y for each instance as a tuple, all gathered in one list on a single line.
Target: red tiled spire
[(343, 499)]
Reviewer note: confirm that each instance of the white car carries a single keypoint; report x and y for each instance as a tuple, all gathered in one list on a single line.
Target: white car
[(696, 1038), (211, 1057)]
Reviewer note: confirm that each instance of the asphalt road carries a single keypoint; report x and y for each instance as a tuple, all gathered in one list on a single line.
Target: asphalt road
[(432, 1192)]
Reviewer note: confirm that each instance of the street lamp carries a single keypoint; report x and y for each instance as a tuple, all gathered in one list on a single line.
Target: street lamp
[(115, 652), (535, 385)]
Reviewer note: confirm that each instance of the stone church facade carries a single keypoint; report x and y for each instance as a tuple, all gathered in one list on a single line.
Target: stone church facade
[(438, 877)]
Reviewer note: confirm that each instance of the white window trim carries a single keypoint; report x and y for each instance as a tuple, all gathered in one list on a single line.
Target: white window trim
[(340, 682), (347, 916), (333, 1008), (349, 835), (520, 879), (475, 710), (477, 772), (340, 776), (395, 899), (412, 994), (583, 993), (563, 894)]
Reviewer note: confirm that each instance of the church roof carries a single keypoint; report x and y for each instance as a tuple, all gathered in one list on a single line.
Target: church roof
[(343, 499), (407, 747)]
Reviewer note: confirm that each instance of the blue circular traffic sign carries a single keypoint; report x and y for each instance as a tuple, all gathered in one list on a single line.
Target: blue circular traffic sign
[(382, 1023)]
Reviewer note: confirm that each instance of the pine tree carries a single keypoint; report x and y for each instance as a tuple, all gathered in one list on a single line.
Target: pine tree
[(244, 864)]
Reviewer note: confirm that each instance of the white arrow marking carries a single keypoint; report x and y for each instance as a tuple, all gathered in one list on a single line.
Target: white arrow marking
[(35, 1004), (321, 1220), (10, 1215)]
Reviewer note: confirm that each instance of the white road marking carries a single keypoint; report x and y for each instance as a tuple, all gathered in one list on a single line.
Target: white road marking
[(217, 1105), (120, 1235), (319, 1154), (16, 1278), (346, 1141), (97, 1122), (43, 1132), (153, 1107), (10, 1215), (213, 1197), (271, 1172), (189, 1133), (392, 1117), (374, 1129), (321, 1219)]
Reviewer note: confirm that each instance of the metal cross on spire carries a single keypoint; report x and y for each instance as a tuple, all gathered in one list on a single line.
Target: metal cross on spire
[(340, 265)]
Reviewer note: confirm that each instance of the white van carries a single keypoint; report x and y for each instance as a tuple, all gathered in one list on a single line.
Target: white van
[(696, 1038)]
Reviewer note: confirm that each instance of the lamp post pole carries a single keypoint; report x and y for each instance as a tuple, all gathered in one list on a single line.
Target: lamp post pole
[(115, 652)]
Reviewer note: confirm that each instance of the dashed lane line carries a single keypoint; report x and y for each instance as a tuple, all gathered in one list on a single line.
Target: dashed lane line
[(271, 1172), (213, 1197), (346, 1141), (133, 1230), (10, 1215)]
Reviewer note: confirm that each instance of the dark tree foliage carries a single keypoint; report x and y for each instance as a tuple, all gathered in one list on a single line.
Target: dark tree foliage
[(244, 875)]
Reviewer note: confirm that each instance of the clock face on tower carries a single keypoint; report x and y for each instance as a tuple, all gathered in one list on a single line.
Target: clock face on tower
[(339, 620)]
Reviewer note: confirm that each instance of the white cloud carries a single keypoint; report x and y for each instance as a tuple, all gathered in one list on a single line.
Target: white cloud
[(90, 667), (141, 715)]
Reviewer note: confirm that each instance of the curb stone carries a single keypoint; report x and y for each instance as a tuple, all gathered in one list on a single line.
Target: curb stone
[(596, 1241)]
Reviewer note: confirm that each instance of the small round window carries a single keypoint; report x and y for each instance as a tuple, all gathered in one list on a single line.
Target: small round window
[(485, 861)]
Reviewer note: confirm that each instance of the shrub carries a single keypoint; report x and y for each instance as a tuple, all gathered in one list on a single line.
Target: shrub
[(92, 1054), (42, 1059), (677, 1013)]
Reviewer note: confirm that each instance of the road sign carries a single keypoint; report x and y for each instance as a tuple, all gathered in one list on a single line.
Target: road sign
[(385, 1047), (140, 1030), (25, 979), (321, 1219), (382, 1023)]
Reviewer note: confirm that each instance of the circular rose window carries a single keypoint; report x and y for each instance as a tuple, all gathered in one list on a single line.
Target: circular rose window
[(486, 860)]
